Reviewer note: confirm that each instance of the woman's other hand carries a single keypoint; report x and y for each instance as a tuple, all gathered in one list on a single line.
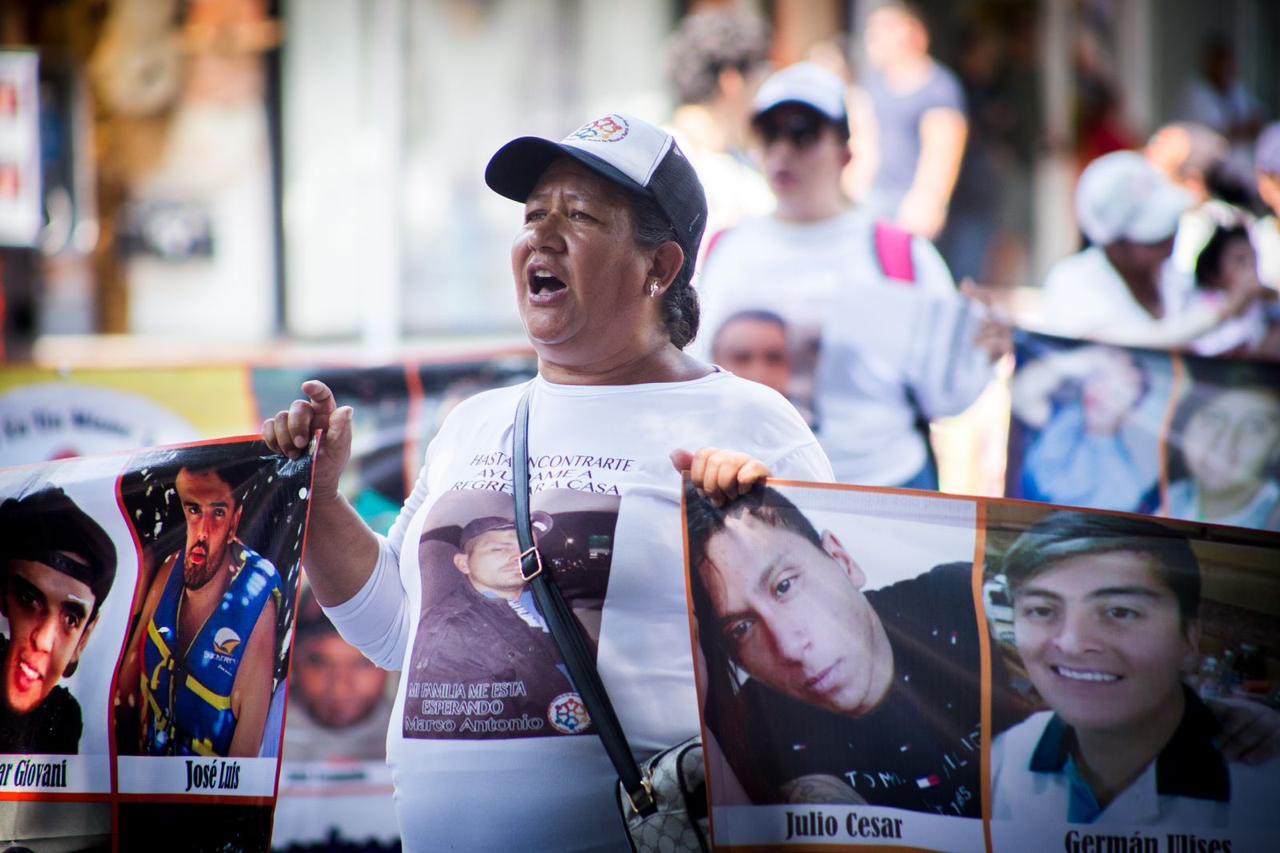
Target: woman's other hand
[(721, 475), (995, 332), (290, 431)]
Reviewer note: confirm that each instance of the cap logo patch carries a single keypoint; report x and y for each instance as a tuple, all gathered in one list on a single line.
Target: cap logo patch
[(610, 128)]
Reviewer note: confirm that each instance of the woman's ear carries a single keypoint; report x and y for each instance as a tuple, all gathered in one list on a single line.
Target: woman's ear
[(668, 259)]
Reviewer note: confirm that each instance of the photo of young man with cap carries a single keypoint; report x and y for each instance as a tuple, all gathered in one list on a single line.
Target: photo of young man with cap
[(867, 306), (488, 629), (1106, 617), (1123, 289), (56, 567)]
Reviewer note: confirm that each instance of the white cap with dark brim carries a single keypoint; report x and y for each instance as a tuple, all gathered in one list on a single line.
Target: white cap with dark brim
[(805, 84), (628, 151)]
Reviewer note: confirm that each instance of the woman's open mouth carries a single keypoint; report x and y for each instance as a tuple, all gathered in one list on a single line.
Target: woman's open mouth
[(544, 286)]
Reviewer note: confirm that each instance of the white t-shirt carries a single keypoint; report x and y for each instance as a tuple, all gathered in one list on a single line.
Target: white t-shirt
[(497, 759), (1084, 297), (862, 347)]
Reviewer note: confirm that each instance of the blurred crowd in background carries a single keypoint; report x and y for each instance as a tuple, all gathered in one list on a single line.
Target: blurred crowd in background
[(262, 171)]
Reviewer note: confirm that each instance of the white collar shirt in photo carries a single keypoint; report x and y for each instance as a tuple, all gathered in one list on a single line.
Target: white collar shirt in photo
[(1029, 809)]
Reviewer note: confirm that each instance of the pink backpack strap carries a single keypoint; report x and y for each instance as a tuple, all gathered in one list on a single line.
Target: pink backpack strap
[(893, 253), (714, 241)]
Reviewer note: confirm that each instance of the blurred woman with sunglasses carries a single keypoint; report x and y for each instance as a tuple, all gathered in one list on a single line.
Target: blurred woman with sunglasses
[(881, 342)]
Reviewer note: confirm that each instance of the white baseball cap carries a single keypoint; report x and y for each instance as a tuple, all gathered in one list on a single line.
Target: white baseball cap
[(1121, 196), (804, 83), (626, 150)]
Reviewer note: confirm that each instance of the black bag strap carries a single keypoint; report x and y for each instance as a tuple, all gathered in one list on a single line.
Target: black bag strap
[(564, 626)]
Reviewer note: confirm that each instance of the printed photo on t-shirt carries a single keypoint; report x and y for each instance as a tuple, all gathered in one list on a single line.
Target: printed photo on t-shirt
[(484, 664), (762, 346), (1126, 649), (839, 662)]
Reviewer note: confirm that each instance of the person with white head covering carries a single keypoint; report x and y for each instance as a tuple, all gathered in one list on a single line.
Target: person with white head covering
[(879, 340), (1122, 289)]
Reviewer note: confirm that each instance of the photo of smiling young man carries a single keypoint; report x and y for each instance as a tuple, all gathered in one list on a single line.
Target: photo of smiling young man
[(1112, 618)]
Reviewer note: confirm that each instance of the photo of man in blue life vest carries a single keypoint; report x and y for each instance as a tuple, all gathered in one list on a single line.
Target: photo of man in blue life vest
[(202, 653), (56, 567)]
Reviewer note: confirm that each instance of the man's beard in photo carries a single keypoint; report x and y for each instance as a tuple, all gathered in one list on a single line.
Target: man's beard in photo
[(196, 576)]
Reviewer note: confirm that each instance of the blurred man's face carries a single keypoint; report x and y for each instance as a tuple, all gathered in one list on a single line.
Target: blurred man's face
[(793, 615), (1231, 441), (756, 350), (212, 517), (1102, 639), (492, 563), (1140, 259), (338, 684), (49, 625), (1168, 150), (802, 154), (893, 34)]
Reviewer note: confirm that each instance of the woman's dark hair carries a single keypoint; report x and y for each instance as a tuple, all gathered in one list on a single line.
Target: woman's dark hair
[(1062, 535), (1209, 261), (680, 310)]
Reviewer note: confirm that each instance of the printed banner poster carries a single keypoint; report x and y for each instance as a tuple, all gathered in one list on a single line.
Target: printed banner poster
[(897, 669), (334, 783), (148, 608), (1143, 431), (50, 414)]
